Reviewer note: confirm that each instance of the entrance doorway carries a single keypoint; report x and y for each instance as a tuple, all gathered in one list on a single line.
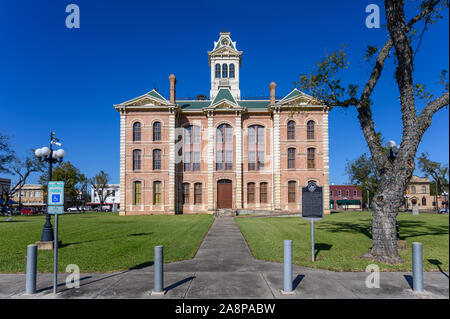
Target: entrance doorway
[(224, 194)]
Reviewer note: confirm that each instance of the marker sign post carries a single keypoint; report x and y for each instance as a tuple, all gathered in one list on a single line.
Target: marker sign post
[(55, 207), (312, 208)]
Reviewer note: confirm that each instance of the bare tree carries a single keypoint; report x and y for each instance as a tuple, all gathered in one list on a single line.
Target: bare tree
[(100, 184), (394, 173), (21, 169)]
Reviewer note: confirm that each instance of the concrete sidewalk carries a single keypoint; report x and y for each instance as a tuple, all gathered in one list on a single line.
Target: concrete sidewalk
[(224, 268)]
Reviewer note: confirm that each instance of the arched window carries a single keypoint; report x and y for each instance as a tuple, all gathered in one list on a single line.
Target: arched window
[(136, 160), (156, 159), (197, 193), (263, 192), (311, 156), (136, 132), (250, 193), (156, 193), (157, 131), (291, 130), (224, 70), (232, 71), (292, 185), (224, 147), (256, 148), (291, 158), (310, 130), (218, 71), (424, 201), (186, 193), (192, 148), (137, 193)]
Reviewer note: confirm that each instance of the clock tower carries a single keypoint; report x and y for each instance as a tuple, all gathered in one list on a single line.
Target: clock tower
[(225, 62)]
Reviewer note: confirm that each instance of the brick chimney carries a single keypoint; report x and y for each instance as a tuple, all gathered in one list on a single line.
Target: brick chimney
[(173, 82), (272, 87)]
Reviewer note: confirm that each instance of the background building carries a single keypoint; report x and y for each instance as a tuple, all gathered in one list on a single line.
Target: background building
[(31, 196), (227, 152), (111, 193), (418, 194), (343, 197)]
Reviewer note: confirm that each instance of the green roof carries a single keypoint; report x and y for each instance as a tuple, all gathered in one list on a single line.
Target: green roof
[(193, 105), (155, 94), (224, 94), (254, 104)]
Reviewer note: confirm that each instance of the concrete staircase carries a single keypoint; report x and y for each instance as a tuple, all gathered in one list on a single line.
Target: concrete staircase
[(224, 212)]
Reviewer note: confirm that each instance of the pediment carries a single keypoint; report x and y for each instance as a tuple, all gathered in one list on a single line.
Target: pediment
[(298, 98), (150, 99), (224, 104), (226, 51)]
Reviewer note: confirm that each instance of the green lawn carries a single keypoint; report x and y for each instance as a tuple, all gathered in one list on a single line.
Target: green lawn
[(102, 242), (342, 237)]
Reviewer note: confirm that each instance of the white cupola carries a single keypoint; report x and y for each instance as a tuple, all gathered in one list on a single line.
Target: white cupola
[(225, 62)]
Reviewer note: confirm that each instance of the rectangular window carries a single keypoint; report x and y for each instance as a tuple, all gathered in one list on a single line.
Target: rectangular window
[(197, 193), (251, 193), (156, 193), (311, 158), (186, 193), (292, 191), (291, 158), (196, 164), (263, 193), (136, 160), (339, 193), (137, 191)]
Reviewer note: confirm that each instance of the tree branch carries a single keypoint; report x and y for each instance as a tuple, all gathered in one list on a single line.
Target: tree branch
[(427, 113)]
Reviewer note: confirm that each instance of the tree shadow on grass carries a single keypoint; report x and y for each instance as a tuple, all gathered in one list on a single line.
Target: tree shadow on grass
[(140, 234), (406, 229)]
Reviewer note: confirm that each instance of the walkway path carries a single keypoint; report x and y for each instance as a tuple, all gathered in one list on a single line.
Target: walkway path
[(224, 268)]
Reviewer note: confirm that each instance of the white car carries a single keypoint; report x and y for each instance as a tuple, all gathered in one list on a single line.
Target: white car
[(74, 209)]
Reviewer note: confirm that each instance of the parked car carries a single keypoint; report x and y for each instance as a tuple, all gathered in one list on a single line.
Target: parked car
[(28, 211), (104, 208), (443, 211), (5, 211), (75, 209)]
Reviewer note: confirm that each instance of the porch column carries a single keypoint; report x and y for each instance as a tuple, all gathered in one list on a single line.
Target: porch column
[(122, 210), (277, 167), (172, 196), (238, 194), (210, 162), (326, 165)]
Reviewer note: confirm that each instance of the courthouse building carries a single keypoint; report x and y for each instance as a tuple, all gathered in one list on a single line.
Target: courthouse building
[(226, 152)]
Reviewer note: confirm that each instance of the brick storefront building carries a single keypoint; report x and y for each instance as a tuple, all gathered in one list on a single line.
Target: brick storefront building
[(196, 156), (343, 197)]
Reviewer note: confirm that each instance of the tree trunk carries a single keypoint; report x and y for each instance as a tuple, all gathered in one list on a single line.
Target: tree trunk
[(386, 204)]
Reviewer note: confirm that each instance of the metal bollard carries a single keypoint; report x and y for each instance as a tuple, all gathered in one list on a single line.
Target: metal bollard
[(30, 285), (159, 272), (417, 267), (288, 265)]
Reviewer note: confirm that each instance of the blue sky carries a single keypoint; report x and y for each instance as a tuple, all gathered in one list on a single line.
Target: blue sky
[(67, 80)]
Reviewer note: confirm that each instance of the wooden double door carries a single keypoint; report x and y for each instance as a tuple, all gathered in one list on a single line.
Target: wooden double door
[(224, 193)]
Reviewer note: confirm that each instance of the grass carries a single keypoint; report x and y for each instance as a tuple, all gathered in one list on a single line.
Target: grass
[(342, 237), (102, 242)]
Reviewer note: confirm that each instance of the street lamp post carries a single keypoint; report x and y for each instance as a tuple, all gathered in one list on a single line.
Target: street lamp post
[(345, 203), (406, 201), (49, 155)]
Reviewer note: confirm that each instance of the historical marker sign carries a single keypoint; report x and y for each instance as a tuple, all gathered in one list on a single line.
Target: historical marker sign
[(312, 201)]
